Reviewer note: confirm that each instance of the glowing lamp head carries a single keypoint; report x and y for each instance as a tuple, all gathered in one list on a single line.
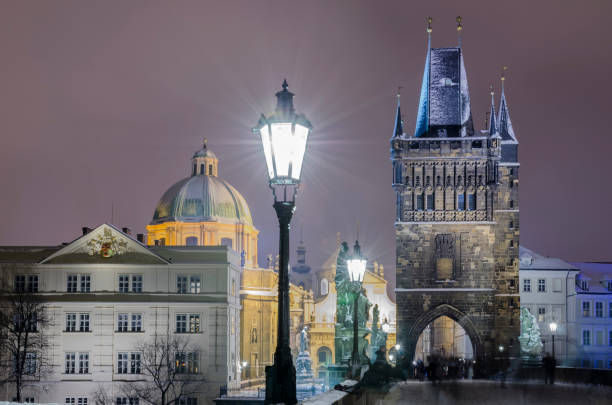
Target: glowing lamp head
[(283, 137), (553, 327), (356, 265), (398, 346), (385, 327), (244, 364), (501, 348)]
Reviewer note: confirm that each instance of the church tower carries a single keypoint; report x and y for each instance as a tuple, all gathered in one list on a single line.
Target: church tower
[(457, 216)]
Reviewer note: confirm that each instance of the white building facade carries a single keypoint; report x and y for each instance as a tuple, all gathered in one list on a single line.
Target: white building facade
[(106, 293), (593, 313)]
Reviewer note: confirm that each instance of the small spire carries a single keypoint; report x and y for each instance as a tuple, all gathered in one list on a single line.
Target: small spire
[(285, 85), (429, 20), (503, 77), (493, 126), (459, 28), (503, 121), (205, 142), (399, 127)]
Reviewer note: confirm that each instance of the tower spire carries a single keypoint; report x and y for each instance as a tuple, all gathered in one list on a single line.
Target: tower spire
[(459, 29), (422, 121), (493, 123), (503, 121), (399, 127)]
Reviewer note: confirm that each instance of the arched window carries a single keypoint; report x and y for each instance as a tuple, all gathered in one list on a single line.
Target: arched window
[(324, 287), (202, 169), (471, 201), (324, 356), (191, 241), (459, 183), (448, 180), (210, 170), (460, 202), (419, 202), (430, 202), (195, 168)]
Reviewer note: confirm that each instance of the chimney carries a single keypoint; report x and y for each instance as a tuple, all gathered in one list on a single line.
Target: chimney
[(86, 230), (126, 230), (140, 237)]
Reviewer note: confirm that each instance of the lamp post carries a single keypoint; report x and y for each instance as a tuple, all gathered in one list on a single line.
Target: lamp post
[(283, 137), (553, 329), (356, 268)]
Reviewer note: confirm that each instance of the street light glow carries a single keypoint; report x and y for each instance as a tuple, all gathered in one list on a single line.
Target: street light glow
[(397, 346), (553, 327), (356, 268)]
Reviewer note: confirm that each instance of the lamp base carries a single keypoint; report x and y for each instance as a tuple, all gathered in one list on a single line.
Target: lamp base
[(280, 379)]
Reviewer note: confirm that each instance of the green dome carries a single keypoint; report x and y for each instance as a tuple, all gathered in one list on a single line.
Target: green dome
[(202, 198)]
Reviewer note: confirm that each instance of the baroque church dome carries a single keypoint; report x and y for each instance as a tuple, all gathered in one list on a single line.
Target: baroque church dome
[(202, 197)]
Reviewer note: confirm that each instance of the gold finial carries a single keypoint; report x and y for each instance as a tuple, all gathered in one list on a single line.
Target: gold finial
[(399, 91), (205, 141), (429, 20), (503, 73), (459, 26), (491, 89)]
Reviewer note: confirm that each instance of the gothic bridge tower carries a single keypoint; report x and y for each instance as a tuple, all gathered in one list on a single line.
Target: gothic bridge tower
[(457, 218)]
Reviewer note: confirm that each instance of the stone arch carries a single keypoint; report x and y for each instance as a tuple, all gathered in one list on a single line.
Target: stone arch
[(453, 313)]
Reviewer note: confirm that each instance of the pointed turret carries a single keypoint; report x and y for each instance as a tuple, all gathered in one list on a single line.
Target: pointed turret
[(444, 106), (493, 124), (398, 130), (505, 125)]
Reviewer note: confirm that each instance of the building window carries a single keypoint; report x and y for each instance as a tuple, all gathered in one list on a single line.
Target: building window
[(187, 362), (76, 401), (127, 401), (599, 309), (195, 168), (19, 284), (461, 202), (584, 285), (210, 170), (511, 204), (227, 242), (610, 338), (122, 322), (324, 287), (586, 309), (70, 363), (610, 309), (135, 363), (599, 337), (471, 201), (419, 202), (124, 283), (527, 285), (136, 322), (84, 323), (586, 337), (30, 364), (194, 284), (71, 322), (430, 202), (194, 323), (136, 283), (609, 285), (541, 314), (191, 241), (78, 283), (511, 225), (25, 283), (202, 168), (122, 363), (181, 285), (181, 323), (511, 243), (541, 285)]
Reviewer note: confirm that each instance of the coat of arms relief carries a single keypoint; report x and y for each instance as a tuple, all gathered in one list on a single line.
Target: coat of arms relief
[(106, 244)]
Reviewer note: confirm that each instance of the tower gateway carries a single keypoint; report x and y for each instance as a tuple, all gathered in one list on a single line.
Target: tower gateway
[(457, 219)]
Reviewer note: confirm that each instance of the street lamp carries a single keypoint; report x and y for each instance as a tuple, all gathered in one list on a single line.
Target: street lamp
[(553, 329), (283, 137), (356, 268)]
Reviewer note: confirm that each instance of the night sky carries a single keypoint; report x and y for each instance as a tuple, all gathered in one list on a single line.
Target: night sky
[(102, 104)]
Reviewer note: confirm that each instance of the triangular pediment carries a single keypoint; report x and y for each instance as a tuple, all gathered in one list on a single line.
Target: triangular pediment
[(104, 245)]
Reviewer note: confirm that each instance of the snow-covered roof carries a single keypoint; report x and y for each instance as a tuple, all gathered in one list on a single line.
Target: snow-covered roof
[(529, 260), (597, 275)]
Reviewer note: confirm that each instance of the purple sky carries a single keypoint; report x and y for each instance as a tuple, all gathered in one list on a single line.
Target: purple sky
[(104, 103)]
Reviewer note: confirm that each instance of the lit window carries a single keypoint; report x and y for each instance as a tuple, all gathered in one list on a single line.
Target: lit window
[(586, 309), (194, 323), (541, 314), (187, 362), (194, 284)]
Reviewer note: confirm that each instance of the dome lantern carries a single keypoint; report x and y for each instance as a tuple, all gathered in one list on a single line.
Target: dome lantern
[(204, 162)]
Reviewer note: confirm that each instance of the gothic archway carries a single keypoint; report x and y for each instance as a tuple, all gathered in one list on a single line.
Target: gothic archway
[(428, 317)]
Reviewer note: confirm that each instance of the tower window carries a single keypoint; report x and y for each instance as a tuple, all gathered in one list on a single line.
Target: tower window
[(471, 201), (407, 180), (438, 181), (195, 168), (459, 182), (448, 180), (461, 202), (419, 202), (427, 181), (202, 169), (210, 170), (511, 225), (511, 203), (430, 202)]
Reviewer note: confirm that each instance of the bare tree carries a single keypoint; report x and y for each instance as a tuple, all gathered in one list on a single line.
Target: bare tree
[(101, 396), (171, 366), (24, 345)]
